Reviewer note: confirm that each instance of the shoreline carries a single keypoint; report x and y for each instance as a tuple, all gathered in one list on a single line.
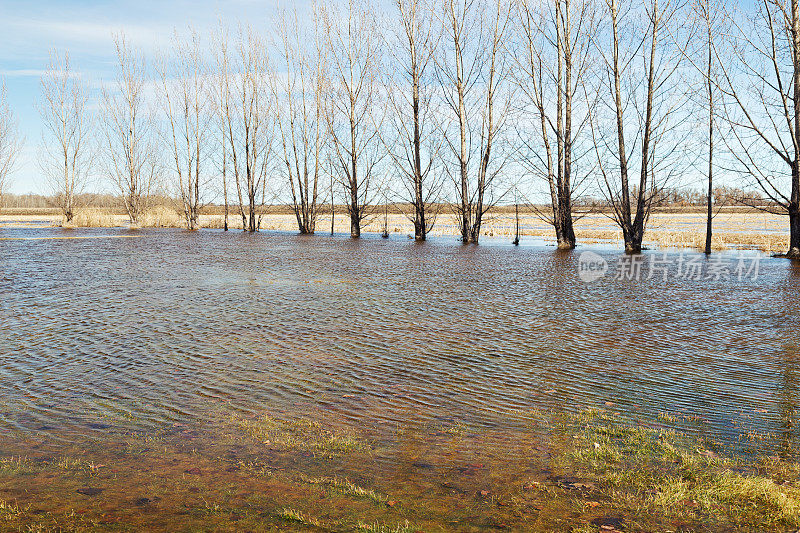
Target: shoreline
[(733, 230)]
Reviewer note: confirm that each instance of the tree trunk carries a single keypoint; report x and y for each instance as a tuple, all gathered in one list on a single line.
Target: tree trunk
[(420, 224), (251, 226), (624, 215), (794, 214), (69, 212), (355, 223), (565, 232), (420, 229), (355, 208), (333, 209), (710, 214), (466, 208), (794, 203), (225, 180), (226, 210), (133, 206), (567, 241), (633, 244), (794, 232)]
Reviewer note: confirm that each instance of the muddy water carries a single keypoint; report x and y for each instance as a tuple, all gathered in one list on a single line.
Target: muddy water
[(175, 334)]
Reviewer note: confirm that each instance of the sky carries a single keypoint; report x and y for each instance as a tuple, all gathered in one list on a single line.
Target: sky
[(31, 29)]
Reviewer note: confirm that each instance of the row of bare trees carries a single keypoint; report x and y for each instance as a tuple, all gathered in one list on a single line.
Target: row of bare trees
[(643, 75), (443, 103)]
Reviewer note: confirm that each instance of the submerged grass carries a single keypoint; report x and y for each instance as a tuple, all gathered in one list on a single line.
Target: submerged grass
[(301, 434), (597, 469), (657, 476), (9, 511), (377, 527), (344, 486), (293, 515), (25, 466), (17, 465)]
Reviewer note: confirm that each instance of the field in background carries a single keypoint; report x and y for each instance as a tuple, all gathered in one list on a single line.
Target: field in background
[(677, 228)]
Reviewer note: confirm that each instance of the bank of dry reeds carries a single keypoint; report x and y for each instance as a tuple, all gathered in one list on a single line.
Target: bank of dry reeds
[(156, 217), (92, 217)]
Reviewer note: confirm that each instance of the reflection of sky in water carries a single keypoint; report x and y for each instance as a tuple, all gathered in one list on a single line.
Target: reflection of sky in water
[(375, 333)]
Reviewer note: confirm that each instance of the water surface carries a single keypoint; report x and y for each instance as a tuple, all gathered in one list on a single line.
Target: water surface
[(167, 328)]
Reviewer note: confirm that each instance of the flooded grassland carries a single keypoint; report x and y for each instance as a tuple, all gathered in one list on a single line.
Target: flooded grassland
[(175, 381), (733, 227)]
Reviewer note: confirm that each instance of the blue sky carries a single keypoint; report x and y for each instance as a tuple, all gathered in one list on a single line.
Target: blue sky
[(31, 29)]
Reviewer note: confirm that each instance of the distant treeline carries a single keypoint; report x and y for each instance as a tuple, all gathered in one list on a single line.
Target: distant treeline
[(723, 196)]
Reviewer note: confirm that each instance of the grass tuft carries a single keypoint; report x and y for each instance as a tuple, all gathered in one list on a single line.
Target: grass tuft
[(377, 527), (344, 486), (9, 511), (293, 515)]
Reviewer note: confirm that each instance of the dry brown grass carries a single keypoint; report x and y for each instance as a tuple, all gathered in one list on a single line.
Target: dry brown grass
[(92, 217), (155, 217), (721, 241), (161, 217)]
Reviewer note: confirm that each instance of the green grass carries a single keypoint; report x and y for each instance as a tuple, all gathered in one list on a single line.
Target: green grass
[(302, 434), (293, 515), (653, 475), (18, 465), (344, 486), (594, 465), (21, 465), (9, 511), (377, 527)]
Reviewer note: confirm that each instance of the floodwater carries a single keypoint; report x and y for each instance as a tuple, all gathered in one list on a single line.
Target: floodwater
[(174, 334)]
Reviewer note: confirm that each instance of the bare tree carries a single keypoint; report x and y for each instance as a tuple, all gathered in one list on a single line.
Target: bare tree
[(187, 106), (67, 155), (760, 84), (554, 67), (414, 142), (711, 16), (710, 25), (352, 113), (703, 7), (130, 152), (473, 71), (245, 105), (646, 107), (10, 142), (224, 173), (222, 107), (299, 97)]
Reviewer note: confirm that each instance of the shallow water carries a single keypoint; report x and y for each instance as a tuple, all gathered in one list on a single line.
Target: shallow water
[(167, 328)]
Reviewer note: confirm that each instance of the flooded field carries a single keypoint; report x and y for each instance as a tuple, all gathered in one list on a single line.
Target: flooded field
[(181, 381), (734, 228)]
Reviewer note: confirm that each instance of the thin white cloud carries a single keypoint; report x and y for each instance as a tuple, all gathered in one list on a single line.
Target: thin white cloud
[(31, 73), (67, 34), (22, 73)]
